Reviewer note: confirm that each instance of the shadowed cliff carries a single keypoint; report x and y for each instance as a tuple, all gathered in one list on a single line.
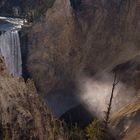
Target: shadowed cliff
[(68, 44)]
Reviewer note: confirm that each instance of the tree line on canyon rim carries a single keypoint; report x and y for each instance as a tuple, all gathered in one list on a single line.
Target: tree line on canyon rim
[(34, 10)]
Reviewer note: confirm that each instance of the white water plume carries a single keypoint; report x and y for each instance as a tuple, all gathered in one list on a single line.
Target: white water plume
[(95, 94)]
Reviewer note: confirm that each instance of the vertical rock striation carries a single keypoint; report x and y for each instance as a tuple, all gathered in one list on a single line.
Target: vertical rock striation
[(84, 38)]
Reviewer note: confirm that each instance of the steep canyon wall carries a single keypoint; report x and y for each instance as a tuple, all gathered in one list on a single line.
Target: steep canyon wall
[(72, 43)]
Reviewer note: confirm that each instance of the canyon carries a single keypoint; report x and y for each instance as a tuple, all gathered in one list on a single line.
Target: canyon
[(72, 49), (75, 45)]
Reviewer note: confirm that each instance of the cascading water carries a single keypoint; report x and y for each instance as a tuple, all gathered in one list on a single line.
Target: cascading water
[(11, 51)]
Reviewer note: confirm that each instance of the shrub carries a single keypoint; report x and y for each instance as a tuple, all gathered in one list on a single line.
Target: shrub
[(93, 130)]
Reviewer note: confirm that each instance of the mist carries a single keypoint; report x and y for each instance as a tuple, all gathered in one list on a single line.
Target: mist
[(95, 93)]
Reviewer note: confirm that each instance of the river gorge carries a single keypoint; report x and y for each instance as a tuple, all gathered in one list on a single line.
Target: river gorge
[(72, 50)]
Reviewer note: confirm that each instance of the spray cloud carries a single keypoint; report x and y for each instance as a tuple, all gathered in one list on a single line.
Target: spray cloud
[(95, 93)]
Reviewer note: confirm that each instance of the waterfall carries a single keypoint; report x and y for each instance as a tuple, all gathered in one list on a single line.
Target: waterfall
[(11, 51)]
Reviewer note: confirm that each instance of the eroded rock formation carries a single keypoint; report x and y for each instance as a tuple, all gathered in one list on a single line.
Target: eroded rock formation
[(69, 43), (23, 114)]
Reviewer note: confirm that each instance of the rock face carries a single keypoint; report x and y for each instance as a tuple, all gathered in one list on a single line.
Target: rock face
[(126, 121), (23, 114), (84, 38), (74, 39)]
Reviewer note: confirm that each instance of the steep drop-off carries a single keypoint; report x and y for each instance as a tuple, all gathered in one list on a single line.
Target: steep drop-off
[(82, 40), (23, 114)]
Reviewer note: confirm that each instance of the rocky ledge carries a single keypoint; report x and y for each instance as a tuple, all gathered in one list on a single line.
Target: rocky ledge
[(23, 115)]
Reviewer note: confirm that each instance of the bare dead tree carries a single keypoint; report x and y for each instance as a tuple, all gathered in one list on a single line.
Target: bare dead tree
[(107, 113), (107, 117)]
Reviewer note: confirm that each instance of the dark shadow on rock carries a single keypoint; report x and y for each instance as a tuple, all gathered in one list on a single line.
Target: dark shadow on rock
[(24, 53), (78, 115), (76, 4)]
